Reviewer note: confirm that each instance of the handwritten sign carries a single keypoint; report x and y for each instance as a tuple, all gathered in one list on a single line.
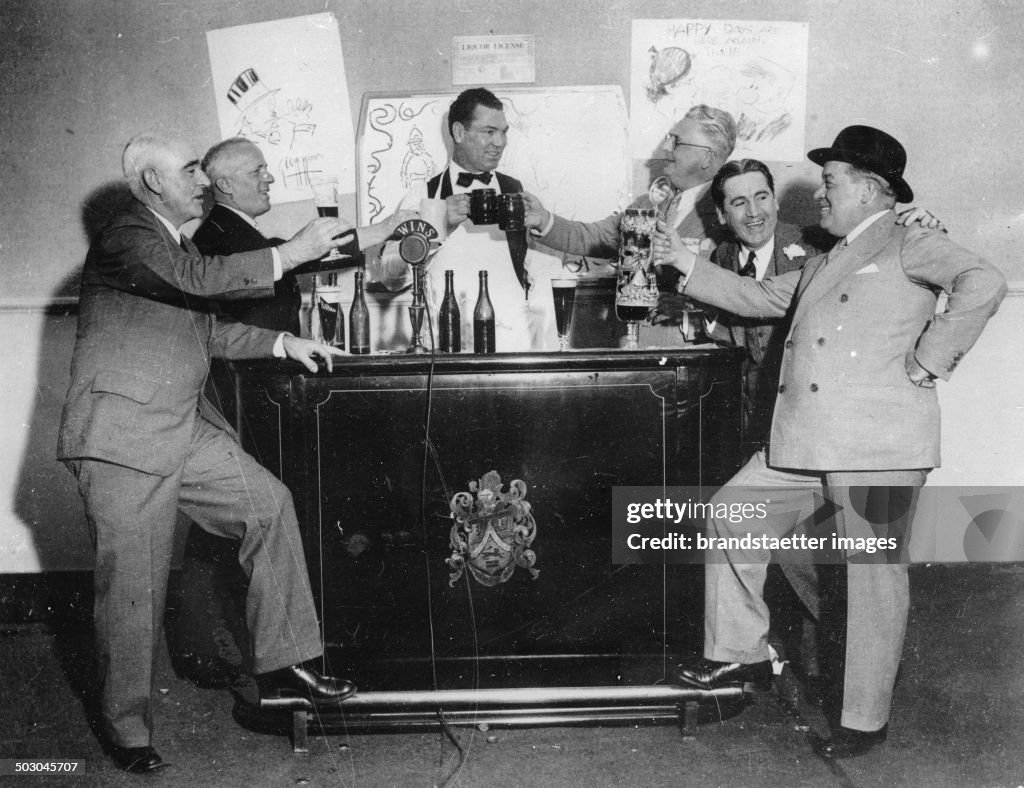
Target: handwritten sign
[(755, 70)]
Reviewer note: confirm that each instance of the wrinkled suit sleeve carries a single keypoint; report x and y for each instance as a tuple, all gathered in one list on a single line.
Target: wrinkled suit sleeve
[(741, 295), (137, 258), (233, 340), (594, 239), (974, 288)]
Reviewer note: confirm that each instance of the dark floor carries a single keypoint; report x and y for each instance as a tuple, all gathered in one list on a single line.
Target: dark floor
[(958, 720)]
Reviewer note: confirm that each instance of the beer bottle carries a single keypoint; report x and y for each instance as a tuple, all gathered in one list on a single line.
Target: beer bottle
[(359, 321), (449, 321), (483, 320)]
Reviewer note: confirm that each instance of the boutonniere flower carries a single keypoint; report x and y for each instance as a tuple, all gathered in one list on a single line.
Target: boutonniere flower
[(794, 250)]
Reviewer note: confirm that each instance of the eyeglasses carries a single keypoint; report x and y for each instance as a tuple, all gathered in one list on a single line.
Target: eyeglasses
[(675, 142)]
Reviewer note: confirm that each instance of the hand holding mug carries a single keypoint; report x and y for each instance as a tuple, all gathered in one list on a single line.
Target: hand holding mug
[(458, 210), (537, 215)]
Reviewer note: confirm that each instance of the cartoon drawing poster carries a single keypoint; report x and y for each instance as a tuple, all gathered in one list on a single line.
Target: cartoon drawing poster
[(282, 84), (755, 70)]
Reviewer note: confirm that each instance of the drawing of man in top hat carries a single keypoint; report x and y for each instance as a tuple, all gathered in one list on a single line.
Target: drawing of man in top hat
[(257, 105)]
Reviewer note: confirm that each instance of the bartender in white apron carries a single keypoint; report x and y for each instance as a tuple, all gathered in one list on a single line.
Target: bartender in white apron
[(478, 142)]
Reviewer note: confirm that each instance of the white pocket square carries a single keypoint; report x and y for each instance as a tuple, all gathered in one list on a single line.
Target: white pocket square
[(870, 268)]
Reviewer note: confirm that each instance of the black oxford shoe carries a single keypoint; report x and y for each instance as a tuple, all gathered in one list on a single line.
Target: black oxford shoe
[(303, 680), (710, 674), (136, 760), (848, 743)]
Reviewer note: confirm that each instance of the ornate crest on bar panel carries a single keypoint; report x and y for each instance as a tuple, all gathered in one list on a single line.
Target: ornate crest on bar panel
[(493, 531)]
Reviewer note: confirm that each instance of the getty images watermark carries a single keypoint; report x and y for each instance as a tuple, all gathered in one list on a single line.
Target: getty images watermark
[(685, 525)]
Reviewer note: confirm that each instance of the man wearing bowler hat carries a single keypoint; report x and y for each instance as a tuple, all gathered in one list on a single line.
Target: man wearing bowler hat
[(856, 417)]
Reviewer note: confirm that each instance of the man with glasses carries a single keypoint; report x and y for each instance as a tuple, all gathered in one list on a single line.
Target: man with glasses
[(695, 148)]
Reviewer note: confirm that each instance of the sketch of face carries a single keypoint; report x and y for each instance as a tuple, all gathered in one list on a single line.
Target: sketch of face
[(478, 148), (689, 155), (750, 209), (180, 184), (260, 119), (245, 182), (769, 86), (841, 198)]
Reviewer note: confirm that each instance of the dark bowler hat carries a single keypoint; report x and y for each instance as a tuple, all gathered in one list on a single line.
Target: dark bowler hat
[(872, 150)]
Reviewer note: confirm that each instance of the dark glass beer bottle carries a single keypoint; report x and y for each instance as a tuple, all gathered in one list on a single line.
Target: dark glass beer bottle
[(359, 321), (449, 320), (483, 320)]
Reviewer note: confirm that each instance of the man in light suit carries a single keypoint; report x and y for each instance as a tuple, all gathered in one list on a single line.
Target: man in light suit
[(856, 415), (144, 443), (696, 147), (240, 184), (760, 246)]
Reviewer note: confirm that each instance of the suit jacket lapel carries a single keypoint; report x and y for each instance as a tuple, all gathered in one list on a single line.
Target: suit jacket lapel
[(841, 262)]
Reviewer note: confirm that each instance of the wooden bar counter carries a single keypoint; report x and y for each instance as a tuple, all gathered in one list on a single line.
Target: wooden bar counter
[(375, 451)]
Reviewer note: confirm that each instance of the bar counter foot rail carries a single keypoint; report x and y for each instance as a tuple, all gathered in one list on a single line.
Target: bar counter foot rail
[(513, 707)]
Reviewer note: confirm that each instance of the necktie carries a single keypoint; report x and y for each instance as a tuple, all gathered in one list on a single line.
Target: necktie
[(748, 268), (181, 243), (466, 178)]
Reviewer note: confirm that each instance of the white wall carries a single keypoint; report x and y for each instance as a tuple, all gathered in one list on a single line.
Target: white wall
[(42, 525)]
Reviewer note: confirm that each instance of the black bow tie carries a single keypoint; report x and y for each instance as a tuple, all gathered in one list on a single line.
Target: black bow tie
[(466, 178)]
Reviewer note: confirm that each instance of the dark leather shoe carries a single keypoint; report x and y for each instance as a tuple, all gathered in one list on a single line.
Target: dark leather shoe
[(848, 743), (711, 674), (303, 680), (136, 760)]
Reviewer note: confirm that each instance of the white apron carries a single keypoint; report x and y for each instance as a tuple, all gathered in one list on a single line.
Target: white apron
[(469, 249)]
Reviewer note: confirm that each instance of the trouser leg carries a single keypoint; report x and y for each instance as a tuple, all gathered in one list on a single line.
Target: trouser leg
[(228, 493), (736, 618), (878, 594), (131, 517)]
